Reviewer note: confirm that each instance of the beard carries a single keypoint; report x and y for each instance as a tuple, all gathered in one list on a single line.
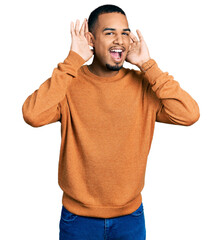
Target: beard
[(113, 68)]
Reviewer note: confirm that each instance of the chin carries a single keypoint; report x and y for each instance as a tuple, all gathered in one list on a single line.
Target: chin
[(113, 67)]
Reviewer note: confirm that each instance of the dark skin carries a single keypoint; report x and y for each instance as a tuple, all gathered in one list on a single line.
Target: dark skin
[(111, 32)]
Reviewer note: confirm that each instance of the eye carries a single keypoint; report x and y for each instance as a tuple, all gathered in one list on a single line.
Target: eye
[(127, 34), (109, 33)]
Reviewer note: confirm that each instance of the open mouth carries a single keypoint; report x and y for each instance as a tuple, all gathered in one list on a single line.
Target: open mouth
[(117, 54)]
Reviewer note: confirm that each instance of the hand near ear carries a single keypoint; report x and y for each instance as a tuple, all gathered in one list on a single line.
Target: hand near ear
[(79, 41), (138, 52)]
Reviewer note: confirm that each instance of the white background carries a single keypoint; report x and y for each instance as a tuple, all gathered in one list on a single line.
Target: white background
[(182, 195)]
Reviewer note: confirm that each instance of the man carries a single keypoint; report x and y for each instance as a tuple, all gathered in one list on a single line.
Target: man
[(107, 115)]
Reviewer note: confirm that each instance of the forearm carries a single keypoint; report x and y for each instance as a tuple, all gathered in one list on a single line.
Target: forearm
[(42, 106), (176, 105)]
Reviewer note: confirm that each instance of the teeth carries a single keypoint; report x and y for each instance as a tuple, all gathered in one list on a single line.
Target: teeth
[(116, 50)]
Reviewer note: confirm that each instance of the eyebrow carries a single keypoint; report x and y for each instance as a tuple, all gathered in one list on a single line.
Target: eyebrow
[(113, 29)]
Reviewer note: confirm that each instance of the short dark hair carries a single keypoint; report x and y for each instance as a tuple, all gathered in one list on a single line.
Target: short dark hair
[(93, 17)]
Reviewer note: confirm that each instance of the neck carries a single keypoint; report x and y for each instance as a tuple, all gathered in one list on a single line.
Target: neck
[(101, 71)]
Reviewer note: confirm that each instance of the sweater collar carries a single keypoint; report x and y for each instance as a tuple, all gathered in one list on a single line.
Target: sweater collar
[(92, 76)]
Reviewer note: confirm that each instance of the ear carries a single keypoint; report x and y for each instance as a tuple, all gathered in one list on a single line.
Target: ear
[(90, 38)]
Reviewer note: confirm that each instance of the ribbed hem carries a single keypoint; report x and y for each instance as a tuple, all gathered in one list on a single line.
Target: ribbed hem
[(78, 208)]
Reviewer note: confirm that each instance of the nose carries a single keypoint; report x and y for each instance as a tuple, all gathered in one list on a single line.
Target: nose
[(118, 39)]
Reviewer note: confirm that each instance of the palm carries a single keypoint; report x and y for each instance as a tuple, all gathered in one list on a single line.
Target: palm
[(138, 51), (79, 42)]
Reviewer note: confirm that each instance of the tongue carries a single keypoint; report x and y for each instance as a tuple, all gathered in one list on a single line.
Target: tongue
[(115, 55)]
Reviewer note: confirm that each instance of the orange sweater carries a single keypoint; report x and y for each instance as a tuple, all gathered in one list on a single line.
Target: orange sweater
[(107, 126)]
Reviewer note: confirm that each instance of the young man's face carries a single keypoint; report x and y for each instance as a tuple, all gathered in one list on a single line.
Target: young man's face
[(112, 40)]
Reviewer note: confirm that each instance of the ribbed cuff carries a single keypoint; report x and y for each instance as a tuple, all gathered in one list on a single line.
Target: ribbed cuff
[(148, 64), (72, 63), (75, 59), (152, 71)]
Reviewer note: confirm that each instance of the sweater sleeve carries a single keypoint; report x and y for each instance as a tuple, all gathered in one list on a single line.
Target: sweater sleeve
[(176, 106), (43, 105)]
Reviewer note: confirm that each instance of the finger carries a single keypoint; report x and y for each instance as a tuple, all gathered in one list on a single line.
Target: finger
[(77, 27), (87, 27), (139, 35), (133, 37), (83, 27), (71, 27)]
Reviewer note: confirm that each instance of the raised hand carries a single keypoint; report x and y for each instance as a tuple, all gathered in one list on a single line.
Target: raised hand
[(79, 41), (138, 52)]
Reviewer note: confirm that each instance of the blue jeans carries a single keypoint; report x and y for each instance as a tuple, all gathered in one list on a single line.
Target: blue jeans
[(127, 227)]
